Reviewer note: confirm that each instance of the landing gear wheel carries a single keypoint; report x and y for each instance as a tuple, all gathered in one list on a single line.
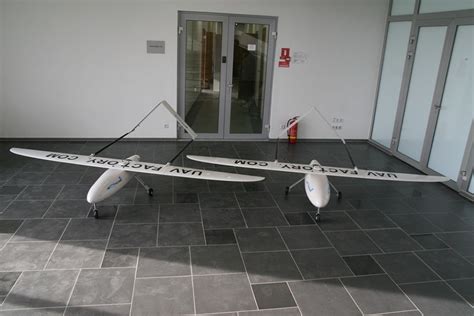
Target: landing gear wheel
[(150, 192), (287, 190), (96, 213), (339, 195), (317, 218)]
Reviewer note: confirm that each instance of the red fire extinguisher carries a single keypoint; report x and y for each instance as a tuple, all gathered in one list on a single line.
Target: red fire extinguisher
[(293, 131)]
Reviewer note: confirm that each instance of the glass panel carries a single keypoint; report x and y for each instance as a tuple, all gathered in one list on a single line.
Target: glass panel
[(401, 7), (203, 75), (471, 187), (249, 75), (391, 81), (420, 94), (428, 6), (457, 108)]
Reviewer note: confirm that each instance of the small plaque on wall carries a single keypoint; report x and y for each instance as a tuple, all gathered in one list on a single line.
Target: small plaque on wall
[(155, 47)]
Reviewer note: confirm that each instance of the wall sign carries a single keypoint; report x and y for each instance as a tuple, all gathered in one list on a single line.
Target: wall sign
[(284, 58)]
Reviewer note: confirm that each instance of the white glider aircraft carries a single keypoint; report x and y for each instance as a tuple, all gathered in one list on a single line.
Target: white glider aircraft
[(317, 185), (121, 171)]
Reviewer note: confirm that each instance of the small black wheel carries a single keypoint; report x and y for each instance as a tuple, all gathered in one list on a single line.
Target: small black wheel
[(317, 218), (96, 214), (287, 190), (150, 192)]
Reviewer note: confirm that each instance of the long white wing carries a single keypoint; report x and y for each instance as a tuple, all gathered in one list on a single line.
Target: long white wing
[(135, 166), (316, 169)]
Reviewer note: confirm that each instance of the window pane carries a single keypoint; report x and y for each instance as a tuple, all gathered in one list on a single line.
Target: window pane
[(428, 6), (401, 7), (471, 187), (420, 94), (390, 81), (457, 108)]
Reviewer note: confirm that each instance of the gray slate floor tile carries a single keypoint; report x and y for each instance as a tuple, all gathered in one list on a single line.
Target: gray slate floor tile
[(352, 243), (334, 221), (371, 219), (436, 298), (320, 263), (103, 286), (291, 311), (217, 200), (137, 214), (327, 297), (25, 178), (414, 223), (41, 289), (461, 242), (179, 234), (60, 177), (7, 280), (180, 213), (259, 239), (77, 255), (465, 288), (218, 293), (25, 209), (88, 229), (363, 265), (216, 259), (133, 235), (429, 241), (68, 208), (255, 199), (271, 267), (120, 258), (163, 296), (299, 219), (25, 256), (275, 295), (40, 192), (40, 230), (99, 310), (186, 198), (303, 237), (405, 268), (163, 261), (219, 236), (393, 240), (264, 217), (222, 218), (448, 222), (74, 192), (58, 311), (377, 294), (447, 263)]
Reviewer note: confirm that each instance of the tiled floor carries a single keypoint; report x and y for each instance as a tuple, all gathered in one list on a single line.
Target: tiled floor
[(201, 247)]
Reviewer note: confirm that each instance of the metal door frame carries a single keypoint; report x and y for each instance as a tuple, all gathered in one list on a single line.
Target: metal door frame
[(226, 70)]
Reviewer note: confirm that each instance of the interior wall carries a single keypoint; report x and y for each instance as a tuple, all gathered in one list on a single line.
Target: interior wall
[(2, 114), (80, 68)]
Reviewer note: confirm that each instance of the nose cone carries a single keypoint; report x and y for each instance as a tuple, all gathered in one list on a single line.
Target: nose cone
[(317, 189)]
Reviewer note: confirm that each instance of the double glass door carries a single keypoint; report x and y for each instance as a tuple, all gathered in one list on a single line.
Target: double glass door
[(225, 71)]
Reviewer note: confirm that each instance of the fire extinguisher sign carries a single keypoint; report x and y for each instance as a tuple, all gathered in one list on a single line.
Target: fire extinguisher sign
[(285, 58)]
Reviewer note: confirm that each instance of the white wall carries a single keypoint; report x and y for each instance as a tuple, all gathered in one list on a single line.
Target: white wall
[(2, 114), (80, 69)]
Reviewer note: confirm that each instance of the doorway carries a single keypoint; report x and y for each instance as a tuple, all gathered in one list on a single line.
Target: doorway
[(225, 72)]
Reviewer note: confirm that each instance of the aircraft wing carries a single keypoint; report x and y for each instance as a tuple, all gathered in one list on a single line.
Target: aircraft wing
[(317, 169), (135, 166)]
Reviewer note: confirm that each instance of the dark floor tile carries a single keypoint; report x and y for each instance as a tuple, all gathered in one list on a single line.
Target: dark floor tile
[(133, 235), (436, 298), (5, 200), (25, 209), (77, 255), (259, 239), (447, 264), (327, 297), (219, 236), (124, 196), (163, 261), (105, 212), (303, 237), (414, 223), (216, 259), (25, 178), (371, 219), (218, 293), (377, 294), (255, 199), (461, 242), (7, 280), (36, 289), (448, 222), (180, 213), (183, 185), (40, 230), (111, 286), (158, 197), (271, 267), (143, 214), (276, 295), (223, 186), (336, 204), (163, 296), (393, 240), (40, 166), (362, 204), (217, 200), (63, 178), (279, 188), (465, 288), (405, 268), (264, 217), (222, 218), (352, 243), (25, 256), (320, 263), (74, 192), (293, 203), (178, 234), (363, 265), (7, 228), (11, 189), (87, 229), (120, 258), (186, 198), (299, 219), (393, 206), (435, 204), (333, 221), (429, 241), (40, 192), (68, 208), (99, 310), (254, 187)]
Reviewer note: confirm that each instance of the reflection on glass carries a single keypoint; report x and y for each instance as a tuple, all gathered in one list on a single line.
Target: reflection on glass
[(401, 7), (471, 187), (249, 71), (203, 75), (457, 108), (428, 6), (390, 82), (420, 94)]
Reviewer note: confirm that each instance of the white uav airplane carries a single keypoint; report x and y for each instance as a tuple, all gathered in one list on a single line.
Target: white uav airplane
[(317, 185), (121, 171)]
